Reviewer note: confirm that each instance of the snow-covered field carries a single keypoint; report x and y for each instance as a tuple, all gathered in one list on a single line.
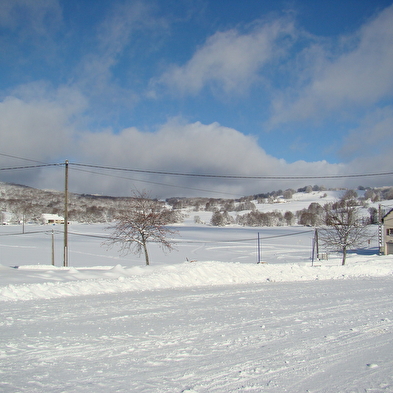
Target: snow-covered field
[(222, 323)]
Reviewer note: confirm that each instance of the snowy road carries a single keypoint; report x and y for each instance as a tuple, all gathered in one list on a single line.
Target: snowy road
[(314, 336)]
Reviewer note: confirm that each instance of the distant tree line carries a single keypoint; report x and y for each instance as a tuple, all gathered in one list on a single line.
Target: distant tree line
[(28, 204), (313, 215)]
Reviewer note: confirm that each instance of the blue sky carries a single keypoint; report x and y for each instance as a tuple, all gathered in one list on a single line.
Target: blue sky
[(252, 88)]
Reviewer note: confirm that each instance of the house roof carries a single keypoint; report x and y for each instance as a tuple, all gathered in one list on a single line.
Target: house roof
[(387, 214), (48, 216)]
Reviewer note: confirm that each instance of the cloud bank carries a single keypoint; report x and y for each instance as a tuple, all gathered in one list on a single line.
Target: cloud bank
[(177, 146)]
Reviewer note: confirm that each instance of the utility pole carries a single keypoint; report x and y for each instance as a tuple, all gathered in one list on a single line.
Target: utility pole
[(53, 248), (315, 247), (66, 216), (380, 237)]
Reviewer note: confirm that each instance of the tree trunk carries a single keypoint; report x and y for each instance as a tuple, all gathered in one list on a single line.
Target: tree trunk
[(344, 256), (146, 253)]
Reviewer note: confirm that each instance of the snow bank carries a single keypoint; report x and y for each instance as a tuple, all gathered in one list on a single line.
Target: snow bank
[(46, 282)]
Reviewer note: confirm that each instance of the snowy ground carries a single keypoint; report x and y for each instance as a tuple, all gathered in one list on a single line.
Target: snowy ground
[(220, 324)]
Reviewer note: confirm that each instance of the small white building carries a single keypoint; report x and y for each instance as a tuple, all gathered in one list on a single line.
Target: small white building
[(5, 218), (51, 219)]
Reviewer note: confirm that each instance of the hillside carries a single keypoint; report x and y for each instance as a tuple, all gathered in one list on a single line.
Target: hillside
[(20, 203)]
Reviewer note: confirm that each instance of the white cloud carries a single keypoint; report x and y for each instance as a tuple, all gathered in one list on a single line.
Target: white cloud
[(361, 75), (37, 122), (230, 60), (112, 50), (186, 148), (44, 130), (373, 137), (113, 35), (176, 146)]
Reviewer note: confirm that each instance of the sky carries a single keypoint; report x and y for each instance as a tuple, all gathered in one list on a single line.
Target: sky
[(248, 97)]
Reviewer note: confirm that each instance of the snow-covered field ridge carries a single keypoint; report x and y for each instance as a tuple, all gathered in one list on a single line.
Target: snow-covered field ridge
[(47, 282)]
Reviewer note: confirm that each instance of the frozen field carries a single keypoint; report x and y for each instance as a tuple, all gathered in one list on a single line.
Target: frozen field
[(221, 324), (193, 242)]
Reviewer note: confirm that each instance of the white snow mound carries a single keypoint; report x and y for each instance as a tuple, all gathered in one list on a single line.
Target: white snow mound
[(46, 282)]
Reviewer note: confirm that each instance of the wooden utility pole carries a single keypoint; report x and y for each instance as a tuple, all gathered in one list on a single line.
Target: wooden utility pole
[(315, 247), (66, 216), (53, 248)]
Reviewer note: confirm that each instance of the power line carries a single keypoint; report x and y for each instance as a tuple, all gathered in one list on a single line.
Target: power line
[(156, 183), (203, 175), (27, 167), (25, 233), (288, 234), (89, 235), (238, 177), (21, 158), (180, 241)]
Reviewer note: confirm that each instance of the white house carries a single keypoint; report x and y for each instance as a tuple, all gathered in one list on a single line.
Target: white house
[(52, 219)]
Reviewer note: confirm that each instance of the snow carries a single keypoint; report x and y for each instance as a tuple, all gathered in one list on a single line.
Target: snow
[(47, 282), (222, 323), (302, 200)]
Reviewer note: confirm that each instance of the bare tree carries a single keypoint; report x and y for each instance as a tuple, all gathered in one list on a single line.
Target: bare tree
[(145, 220), (221, 218), (289, 217), (344, 228)]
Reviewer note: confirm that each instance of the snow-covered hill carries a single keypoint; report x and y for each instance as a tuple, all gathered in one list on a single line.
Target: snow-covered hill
[(19, 203)]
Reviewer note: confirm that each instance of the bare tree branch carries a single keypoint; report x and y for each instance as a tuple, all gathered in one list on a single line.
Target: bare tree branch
[(145, 220), (344, 228)]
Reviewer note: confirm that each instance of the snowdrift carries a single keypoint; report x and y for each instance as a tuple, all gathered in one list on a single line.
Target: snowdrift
[(46, 282)]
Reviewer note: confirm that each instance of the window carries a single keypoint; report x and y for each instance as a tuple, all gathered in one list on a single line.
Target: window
[(389, 231)]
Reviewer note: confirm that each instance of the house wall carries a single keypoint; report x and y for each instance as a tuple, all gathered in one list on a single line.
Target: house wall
[(388, 233)]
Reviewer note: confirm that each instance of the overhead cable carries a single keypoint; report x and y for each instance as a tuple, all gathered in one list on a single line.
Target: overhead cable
[(253, 177), (27, 167)]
